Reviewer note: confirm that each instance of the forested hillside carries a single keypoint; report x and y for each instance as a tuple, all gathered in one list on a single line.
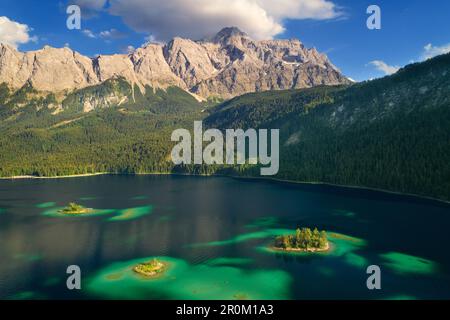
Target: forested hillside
[(391, 133), (127, 132)]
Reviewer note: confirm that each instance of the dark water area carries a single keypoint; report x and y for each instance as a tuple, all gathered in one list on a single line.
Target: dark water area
[(214, 233)]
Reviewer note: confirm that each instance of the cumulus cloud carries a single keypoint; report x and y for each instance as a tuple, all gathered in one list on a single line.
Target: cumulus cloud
[(129, 49), (112, 34), (384, 67), (300, 9), (431, 51), (90, 8), (196, 19), (152, 39), (107, 34), (14, 33), (88, 33)]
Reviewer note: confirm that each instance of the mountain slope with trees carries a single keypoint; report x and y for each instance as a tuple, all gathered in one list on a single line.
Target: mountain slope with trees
[(392, 133)]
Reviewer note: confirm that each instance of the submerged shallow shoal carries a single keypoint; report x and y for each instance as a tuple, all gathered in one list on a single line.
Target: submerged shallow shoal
[(186, 281)]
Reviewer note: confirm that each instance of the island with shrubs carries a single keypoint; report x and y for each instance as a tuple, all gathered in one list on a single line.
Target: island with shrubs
[(74, 208), (151, 269), (304, 240)]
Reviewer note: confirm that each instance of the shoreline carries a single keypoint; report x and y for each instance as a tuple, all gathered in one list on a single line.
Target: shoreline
[(87, 211), (297, 250), (30, 177)]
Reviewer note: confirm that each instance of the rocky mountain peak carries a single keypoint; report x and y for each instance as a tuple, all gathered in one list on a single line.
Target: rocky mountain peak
[(224, 35), (5, 46), (229, 65)]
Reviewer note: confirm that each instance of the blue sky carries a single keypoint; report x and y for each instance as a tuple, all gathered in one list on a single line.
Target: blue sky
[(336, 27)]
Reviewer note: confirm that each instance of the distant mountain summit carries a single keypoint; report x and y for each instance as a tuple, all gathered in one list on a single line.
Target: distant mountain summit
[(227, 33), (228, 65)]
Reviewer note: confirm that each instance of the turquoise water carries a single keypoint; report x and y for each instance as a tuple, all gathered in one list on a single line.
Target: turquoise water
[(215, 235)]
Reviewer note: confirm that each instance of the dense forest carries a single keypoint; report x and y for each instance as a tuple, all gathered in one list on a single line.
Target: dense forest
[(392, 133)]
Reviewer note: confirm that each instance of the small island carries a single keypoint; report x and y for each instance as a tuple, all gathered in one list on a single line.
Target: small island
[(74, 208), (304, 240), (150, 269)]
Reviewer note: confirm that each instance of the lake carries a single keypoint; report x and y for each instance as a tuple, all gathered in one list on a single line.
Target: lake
[(215, 233)]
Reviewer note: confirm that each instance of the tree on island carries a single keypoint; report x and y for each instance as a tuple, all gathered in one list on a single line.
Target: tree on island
[(304, 239), (74, 208), (151, 268)]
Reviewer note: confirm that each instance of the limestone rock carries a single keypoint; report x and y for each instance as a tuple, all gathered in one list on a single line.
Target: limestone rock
[(228, 65)]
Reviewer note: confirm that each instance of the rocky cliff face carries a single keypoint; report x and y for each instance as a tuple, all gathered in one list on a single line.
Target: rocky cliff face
[(226, 66), (48, 69)]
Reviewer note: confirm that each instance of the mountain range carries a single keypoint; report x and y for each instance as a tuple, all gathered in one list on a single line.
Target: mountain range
[(228, 65), (390, 133)]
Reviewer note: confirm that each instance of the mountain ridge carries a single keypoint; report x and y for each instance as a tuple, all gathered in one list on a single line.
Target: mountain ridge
[(229, 65)]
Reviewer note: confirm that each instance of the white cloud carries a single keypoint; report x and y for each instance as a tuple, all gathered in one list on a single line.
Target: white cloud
[(91, 4), (151, 39), (89, 8), (431, 51), (261, 19), (107, 34), (112, 34), (130, 49), (300, 9), (88, 33), (14, 33), (384, 67)]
